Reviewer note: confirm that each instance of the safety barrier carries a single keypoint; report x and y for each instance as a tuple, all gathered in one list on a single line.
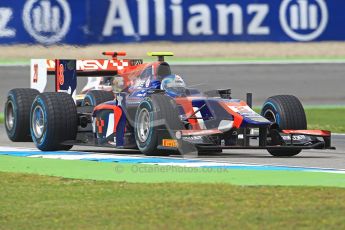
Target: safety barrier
[(108, 21)]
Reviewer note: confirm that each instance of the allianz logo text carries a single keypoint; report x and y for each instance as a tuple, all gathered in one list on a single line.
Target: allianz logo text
[(301, 20), (5, 16), (47, 21), (197, 21)]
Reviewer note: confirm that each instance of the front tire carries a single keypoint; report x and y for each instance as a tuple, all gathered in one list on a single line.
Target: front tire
[(158, 112), (17, 114), (288, 113), (53, 120)]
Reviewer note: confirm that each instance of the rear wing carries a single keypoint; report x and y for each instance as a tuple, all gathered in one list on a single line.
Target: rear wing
[(66, 71)]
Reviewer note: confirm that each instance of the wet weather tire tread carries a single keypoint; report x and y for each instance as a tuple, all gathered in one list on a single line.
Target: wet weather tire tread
[(164, 108), (22, 99), (292, 116), (61, 118), (291, 111)]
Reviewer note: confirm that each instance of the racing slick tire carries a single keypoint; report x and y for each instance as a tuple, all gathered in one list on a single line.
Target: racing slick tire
[(288, 113), (17, 114), (53, 120), (157, 112), (96, 97)]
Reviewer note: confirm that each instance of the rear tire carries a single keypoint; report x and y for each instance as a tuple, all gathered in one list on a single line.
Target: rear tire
[(153, 114), (288, 113), (96, 97), (17, 114), (53, 120)]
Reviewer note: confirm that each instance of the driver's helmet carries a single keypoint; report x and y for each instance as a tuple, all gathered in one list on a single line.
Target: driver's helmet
[(173, 83)]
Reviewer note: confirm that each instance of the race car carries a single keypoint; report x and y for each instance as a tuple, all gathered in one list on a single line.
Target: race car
[(151, 109)]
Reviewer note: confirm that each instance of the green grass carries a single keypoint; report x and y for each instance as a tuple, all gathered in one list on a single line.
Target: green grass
[(141, 173), (328, 118), (41, 202), (18, 61)]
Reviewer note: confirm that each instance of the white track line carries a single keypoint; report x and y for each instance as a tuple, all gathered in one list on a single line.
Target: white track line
[(198, 161)]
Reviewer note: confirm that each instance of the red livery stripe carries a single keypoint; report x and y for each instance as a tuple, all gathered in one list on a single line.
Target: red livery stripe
[(321, 133), (117, 112)]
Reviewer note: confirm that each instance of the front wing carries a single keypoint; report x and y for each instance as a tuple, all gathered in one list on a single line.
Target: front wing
[(284, 139)]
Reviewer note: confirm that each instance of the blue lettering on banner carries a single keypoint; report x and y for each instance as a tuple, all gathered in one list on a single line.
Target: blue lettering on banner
[(107, 21)]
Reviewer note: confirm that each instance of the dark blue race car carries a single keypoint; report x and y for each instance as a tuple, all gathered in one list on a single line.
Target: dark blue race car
[(147, 107)]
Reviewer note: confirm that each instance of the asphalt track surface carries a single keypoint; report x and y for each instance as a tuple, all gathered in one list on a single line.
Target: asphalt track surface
[(313, 84)]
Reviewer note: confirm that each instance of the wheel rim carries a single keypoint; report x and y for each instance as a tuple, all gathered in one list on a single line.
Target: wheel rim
[(37, 122), (143, 125), (270, 115), (9, 116)]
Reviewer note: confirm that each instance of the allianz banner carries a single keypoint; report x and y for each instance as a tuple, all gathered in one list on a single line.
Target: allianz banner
[(107, 21)]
